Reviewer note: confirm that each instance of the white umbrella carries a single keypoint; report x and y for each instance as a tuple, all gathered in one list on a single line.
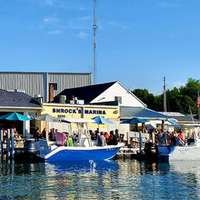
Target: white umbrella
[(46, 117)]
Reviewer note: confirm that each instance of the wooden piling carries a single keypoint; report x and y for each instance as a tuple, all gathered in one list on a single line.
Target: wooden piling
[(8, 144), (12, 144), (1, 141)]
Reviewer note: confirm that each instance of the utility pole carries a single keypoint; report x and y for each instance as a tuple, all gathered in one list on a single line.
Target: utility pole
[(164, 96), (198, 105), (95, 26)]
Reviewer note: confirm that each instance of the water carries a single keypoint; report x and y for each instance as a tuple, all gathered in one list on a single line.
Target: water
[(119, 179)]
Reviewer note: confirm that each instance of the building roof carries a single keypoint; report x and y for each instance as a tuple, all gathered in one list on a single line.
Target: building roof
[(180, 117), (86, 93), (42, 72), (17, 99), (139, 112)]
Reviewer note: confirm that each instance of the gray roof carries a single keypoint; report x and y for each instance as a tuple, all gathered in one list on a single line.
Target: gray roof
[(185, 118), (180, 117), (139, 112), (17, 99)]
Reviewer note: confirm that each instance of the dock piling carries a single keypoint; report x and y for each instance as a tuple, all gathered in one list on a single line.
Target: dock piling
[(12, 144), (1, 141), (8, 144)]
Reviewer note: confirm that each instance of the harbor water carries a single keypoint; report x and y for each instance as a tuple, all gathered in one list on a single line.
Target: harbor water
[(116, 179)]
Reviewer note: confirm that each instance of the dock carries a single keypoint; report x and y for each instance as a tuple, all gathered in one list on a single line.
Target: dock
[(128, 152)]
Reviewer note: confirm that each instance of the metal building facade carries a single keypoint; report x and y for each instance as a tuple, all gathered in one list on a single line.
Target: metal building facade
[(37, 83)]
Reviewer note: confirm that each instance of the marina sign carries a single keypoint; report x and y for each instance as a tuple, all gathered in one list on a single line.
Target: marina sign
[(79, 111)]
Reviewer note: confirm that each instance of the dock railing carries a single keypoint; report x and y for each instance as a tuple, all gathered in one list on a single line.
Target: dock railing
[(133, 138)]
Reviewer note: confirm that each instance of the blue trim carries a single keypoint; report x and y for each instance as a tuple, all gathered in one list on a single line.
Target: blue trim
[(78, 155)]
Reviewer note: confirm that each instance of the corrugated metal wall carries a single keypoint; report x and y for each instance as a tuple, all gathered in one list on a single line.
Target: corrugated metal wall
[(70, 80), (37, 83)]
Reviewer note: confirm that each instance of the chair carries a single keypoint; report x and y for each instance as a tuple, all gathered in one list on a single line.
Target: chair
[(60, 139)]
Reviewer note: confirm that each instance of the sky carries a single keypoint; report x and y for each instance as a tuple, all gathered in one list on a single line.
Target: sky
[(139, 42)]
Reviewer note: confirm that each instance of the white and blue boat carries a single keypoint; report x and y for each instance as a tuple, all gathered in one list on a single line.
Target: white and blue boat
[(188, 149), (64, 153), (83, 150)]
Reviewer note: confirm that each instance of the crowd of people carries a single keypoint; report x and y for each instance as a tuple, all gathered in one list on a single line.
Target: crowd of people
[(42, 135), (103, 138), (167, 138)]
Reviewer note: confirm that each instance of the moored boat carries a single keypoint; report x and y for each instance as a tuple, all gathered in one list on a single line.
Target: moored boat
[(52, 152), (184, 150)]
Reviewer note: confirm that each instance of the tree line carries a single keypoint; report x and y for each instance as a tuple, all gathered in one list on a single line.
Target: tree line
[(183, 99)]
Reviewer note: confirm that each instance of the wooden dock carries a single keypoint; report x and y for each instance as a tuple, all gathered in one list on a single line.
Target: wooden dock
[(128, 152)]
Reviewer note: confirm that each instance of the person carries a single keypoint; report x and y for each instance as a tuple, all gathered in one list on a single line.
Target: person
[(112, 139), (106, 135), (180, 135), (68, 141), (100, 139), (52, 134), (162, 139), (43, 134), (117, 135), (15, 131), (37, 134), (91, 135)]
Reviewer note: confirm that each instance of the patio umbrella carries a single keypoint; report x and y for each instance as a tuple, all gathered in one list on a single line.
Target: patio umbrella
[(134, 121), (15, 117), (102, 120), (46, 118)]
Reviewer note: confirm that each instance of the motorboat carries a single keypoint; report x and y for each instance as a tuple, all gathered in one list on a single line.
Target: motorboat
[(188, 149), (82, 150)]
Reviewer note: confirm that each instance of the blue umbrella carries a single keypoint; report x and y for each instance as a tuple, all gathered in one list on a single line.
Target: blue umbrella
[(102, 120), (134, 121), (15, 117)]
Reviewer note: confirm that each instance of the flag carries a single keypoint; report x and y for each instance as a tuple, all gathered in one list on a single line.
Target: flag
[(198, 100)]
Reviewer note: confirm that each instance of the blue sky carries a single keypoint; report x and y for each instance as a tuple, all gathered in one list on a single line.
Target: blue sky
[(139, 42)]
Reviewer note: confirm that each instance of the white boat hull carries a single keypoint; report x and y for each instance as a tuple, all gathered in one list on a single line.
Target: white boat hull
[(179, 152)]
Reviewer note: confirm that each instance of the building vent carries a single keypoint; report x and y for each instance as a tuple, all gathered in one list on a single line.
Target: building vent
[(19, 90), (62, 99), (118, 99)]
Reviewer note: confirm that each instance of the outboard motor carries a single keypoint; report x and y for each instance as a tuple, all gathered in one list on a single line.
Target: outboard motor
[(30, 147), (150, 150)]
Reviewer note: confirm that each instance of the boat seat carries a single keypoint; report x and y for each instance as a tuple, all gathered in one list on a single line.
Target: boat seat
[(60, 139)]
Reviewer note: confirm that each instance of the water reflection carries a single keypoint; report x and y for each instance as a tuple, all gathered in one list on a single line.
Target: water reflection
[(81, 167), (120, 179)]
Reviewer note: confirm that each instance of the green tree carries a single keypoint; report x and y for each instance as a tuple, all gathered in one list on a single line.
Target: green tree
[(181, 99), (145, 96)]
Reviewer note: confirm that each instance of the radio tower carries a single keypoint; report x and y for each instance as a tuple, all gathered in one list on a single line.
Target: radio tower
[(95, 26)]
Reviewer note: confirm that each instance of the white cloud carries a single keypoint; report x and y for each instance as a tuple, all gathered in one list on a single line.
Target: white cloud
[(48, 2), (82, 35), (84, 18), (77, 7), (112, 23), (118, 25), (178, 84), (50, 19), (54, 32), (167, 5)]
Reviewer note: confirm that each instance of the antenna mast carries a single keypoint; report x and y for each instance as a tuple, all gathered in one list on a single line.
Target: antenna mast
[(95, 26), (164, 96)]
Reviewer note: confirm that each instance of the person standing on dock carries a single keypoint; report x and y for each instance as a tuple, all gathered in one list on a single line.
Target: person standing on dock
[(112, 139), (37, 134), (117, 135)]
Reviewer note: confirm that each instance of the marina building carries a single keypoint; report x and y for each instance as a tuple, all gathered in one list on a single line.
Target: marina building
[(111, 100), (21, 103), (38, 84)]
